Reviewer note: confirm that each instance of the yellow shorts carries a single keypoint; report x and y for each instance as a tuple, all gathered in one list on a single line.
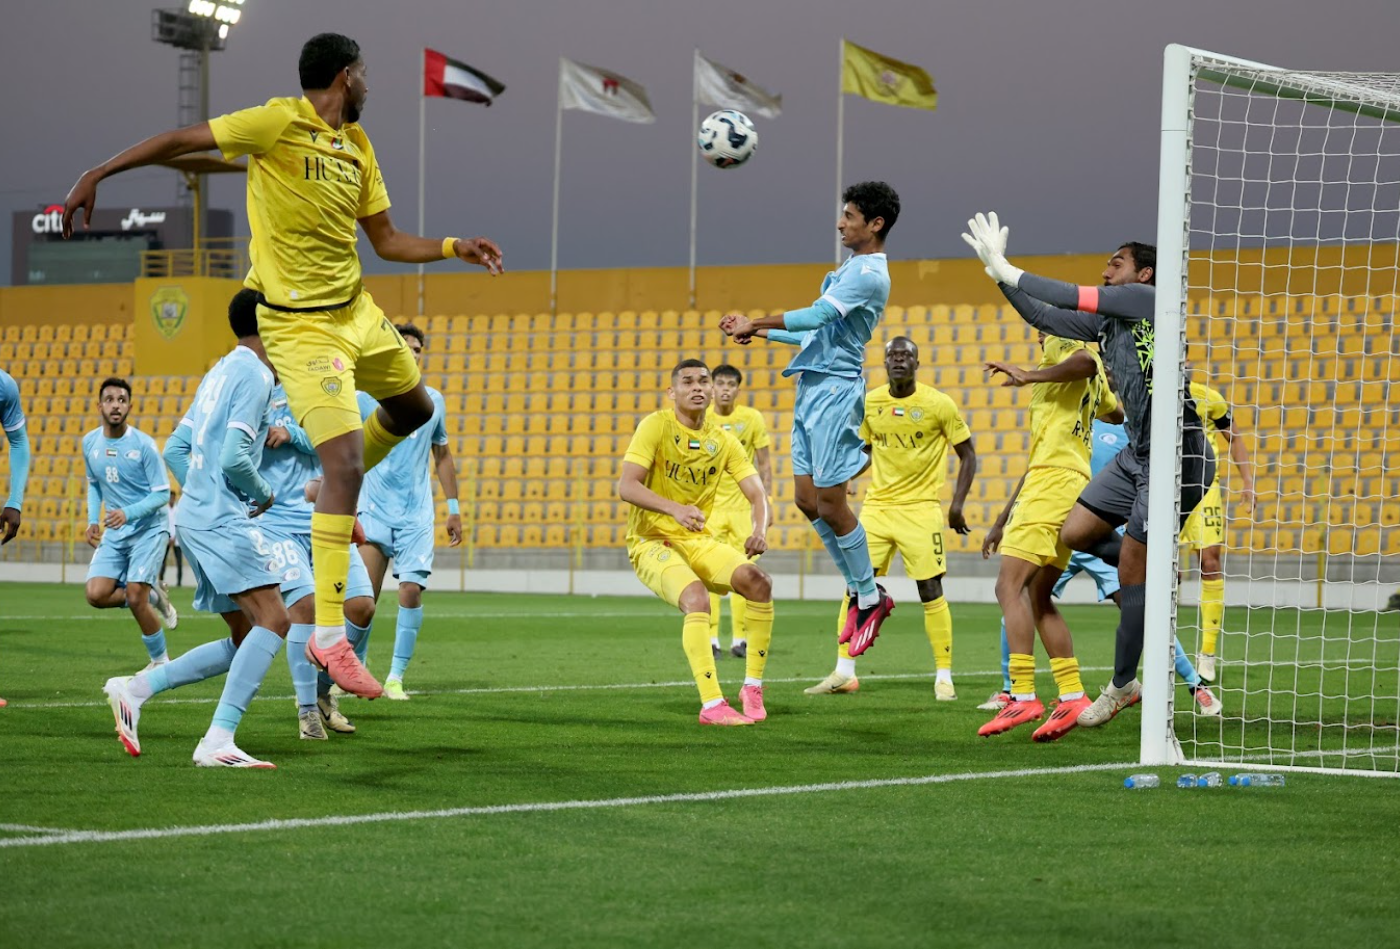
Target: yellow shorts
[(1206, 526), (1033, 530), (669, 567), (731, 526), (915, 531), (323, 356)]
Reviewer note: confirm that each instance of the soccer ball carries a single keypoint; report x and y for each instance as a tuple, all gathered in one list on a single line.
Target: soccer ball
[(727, 139)]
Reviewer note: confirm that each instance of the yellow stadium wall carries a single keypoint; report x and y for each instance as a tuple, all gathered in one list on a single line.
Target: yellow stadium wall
[(1354, 270)]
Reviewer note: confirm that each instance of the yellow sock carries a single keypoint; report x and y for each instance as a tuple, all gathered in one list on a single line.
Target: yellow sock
[(760, 630), (938, 624), (1022, 674), (695, 637), (715, 600), (842, 652), (330, 552), (1066, 670), (378, 441), (1212, 613), (738, 617)]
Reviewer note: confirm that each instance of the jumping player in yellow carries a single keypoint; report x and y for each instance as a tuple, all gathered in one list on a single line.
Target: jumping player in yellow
[(670, 475), (312, 174), (1068, 392), (730, 520), (907, 429), (1205, 529)]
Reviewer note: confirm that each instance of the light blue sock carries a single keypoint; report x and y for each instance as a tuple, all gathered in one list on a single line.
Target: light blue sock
[(155, 644), (405, 639), (833, 547), (857, 553), (245, 676), (359, 638), (1005, 660), (1184, 669), (205, 661), (303, 673)]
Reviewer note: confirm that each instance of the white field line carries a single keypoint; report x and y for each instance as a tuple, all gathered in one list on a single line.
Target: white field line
[(294, 824), (120, 613), (32, 830)]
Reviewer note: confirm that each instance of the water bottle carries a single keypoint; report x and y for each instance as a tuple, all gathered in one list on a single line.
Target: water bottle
[(1209, 780), (1257, 779), (1186, 781), (1141, 781)]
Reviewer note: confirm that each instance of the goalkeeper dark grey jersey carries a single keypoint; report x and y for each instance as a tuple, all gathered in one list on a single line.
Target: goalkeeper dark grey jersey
[(1122, 320)]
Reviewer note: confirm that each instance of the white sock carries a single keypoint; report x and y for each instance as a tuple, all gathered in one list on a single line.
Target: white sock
[(1023, 697), (873, 599), (712, 703), (752, 681), (846, 665), (944, 676), (1066, 697), (327, 637), (217, 736), (739, 641), (714, 643)]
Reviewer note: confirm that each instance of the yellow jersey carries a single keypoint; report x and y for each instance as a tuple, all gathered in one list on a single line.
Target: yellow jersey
[(909, 440), (308, 184), (746, 424), (1214, 410), (684, 466), (1063, 414)]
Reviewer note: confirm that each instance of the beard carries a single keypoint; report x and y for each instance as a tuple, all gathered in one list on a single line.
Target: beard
[(352, 112)]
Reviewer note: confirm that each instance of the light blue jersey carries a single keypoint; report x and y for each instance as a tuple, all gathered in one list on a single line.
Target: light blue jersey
[(233, 395), (858, 289), (125, 472), (399, 490), (1109, 440), (11, 415), (287, 469)]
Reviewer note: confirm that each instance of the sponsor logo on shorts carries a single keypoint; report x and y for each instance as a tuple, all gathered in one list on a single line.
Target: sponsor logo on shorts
[(292, 575), (339, 366), (318, 366), (331, 385)]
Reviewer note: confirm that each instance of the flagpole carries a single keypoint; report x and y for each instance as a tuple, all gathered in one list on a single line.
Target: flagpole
[(694, 165), (422, 172), (554, 235), (840, 132)]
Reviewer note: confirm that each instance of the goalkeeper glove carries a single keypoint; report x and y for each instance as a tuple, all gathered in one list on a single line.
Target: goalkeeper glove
[(988, 239)]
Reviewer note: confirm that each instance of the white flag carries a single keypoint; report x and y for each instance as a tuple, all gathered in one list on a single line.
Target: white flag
[(599, 90), (723, 87)]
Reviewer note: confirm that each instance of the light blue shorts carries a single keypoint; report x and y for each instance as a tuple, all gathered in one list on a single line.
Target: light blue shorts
[(410, 546), (227, 560), (133, 559), (826, 422), (1104, 574), (299, 581)]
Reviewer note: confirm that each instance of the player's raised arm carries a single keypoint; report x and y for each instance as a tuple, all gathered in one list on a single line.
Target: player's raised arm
[(391, 244), (157, 148)]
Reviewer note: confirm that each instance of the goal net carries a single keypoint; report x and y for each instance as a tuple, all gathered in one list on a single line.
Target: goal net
[(1278, 236)]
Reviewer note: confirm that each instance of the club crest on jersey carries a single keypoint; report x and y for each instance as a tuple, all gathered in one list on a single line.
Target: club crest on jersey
[(916, 414), (711, 447), (331, 385), (134, 454)]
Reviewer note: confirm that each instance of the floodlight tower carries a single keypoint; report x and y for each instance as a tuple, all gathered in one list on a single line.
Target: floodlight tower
[(196, 30)]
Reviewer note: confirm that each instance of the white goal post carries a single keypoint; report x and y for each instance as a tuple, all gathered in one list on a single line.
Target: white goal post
[(1278, 249)]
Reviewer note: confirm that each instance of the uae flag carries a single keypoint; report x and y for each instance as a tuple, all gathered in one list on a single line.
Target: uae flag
[(454, 79)]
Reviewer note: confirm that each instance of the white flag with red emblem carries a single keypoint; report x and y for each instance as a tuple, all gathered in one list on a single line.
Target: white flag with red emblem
[(602, 91), (721, 86)]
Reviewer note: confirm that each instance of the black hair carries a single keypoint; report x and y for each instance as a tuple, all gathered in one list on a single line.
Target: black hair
[(323, 57), (409, 330), (902, 339), (1144, 255), (116, 381), (243, 313), (724, 369), (688, 364), (875, 199)]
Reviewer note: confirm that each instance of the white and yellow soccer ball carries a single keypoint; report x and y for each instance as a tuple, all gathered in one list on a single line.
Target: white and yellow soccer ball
[(727, 138)]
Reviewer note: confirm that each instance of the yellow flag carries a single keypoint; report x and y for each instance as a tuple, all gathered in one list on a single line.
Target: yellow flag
[(879, 78)]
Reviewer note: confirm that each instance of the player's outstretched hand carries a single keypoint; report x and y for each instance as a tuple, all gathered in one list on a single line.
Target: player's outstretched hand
[(93, 535), (1015, 376), (690, 518), (83, 195), (988, 236), (454, 530), (738, 327), (992, 541), (956, 521), (755, 545), (9, 520), (482, 251)]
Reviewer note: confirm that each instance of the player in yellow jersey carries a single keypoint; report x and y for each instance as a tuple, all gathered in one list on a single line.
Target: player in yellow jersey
[(312, 174), (1068, 392), (730, 520), (1205, 529), (907, 429), (670, 475)]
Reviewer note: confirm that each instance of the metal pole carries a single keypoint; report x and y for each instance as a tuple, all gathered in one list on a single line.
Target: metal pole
[(422, 172), (201, 183), (694, 164), (840, 132), (554, 230)]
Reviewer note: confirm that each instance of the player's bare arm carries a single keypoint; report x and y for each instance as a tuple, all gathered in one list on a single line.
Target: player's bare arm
[(757, 543), (992, 542), (1080, 365), (967, 469), (391, 244), (763, 462), (1240, 455), (631, 488), (446, 467), (157, 148)]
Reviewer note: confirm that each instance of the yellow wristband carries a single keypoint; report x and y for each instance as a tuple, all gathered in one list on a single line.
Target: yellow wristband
[(449, 248)]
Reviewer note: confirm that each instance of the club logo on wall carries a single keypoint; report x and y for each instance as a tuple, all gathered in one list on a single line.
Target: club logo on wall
[(169, 305)]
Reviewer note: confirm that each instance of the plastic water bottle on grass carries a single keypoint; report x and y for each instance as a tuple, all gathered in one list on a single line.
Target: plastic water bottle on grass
[(1141, 781), (1186, 781), (1257, 780), (1209, 780)]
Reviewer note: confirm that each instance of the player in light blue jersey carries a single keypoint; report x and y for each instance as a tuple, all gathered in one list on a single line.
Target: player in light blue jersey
[(125, 473), (214, 455), (12, 421), (289, 462), (827, 450), (1108, 440), (396, 509)]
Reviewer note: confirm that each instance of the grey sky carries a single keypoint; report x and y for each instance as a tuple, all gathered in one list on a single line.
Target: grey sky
[(1048, 113)]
